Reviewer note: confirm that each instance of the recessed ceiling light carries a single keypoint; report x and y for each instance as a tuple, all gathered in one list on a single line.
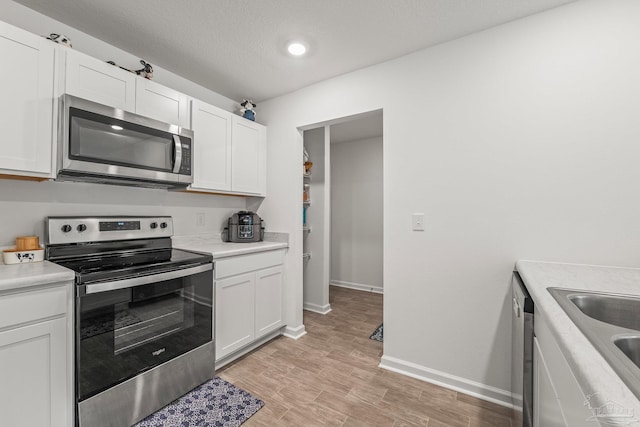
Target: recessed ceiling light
[(116, 127), (297, 48)]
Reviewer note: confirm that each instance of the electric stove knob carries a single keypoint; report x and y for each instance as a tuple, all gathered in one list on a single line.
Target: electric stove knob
[(163, 225), (66, 228), (81, 227), (154, 225)]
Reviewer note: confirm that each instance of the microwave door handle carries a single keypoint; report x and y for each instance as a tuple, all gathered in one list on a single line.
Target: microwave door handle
[(143, 280), (177, 153)]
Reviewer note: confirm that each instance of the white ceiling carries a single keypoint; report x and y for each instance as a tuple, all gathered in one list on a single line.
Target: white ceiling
[(237, 48)]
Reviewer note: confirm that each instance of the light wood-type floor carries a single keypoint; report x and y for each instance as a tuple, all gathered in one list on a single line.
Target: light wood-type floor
[(331, 377)]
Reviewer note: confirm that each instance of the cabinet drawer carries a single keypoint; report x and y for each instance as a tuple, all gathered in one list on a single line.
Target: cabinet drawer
[(245, 263), (33, 305)]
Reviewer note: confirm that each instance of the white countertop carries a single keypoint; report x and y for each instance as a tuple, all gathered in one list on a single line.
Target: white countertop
[(28, 274), (219, 249), (24, 275), (591, 370)]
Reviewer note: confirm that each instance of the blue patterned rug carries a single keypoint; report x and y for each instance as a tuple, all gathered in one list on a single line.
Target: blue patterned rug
[(377, 334), (215, 403)]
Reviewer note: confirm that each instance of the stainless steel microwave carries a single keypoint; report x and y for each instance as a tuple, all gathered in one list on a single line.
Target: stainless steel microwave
[(97, 143)]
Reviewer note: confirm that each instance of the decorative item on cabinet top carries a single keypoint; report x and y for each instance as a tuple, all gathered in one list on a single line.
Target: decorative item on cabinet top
[(247, 109), (146, 71), (60, 39)]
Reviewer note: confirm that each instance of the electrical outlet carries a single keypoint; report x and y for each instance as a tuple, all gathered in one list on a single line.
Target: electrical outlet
[(200, 219), (417, 222)]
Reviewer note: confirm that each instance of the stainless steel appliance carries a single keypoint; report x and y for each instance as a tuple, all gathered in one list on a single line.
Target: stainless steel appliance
[(97, 143), (244, 226), (143, 315), (521, 353)]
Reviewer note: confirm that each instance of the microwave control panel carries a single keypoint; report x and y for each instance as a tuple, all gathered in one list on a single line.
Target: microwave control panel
[(185, 166)]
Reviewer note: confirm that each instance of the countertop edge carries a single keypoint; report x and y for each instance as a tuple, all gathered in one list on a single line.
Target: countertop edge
[(591, 370), (33, 274), (220, 250)]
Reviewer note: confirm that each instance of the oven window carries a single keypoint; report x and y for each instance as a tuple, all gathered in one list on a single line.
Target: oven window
[(127, 331), (101, 139)]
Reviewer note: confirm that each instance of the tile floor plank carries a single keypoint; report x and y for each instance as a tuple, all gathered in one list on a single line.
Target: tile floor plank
[(330, 377)]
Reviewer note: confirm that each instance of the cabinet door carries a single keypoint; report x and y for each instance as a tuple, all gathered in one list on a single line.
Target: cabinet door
[(546, 411), (33, 368), (211, 147), (235, 308), (162, 103), (268, 300), (89, 78), (248, 158), (26, 113)]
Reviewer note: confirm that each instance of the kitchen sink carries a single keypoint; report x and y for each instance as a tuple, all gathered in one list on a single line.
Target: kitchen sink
[(613, 309), (630, 346), (611, 322)]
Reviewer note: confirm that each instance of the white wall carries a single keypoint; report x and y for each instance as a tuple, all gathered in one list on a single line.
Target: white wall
[(24, 205), (519, 142), (356, 214)]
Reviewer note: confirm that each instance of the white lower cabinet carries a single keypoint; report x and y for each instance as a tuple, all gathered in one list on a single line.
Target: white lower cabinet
[(249, 293), (235, 306), (558, 399), (268, 300), (35, 359), (547, 410)]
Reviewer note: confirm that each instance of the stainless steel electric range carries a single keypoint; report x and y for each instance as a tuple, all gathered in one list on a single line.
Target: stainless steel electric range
[(143, 315)]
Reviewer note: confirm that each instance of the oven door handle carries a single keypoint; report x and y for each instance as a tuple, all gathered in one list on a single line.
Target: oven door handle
[(142, 280)]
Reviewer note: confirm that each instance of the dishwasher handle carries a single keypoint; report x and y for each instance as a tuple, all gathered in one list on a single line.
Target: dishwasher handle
[(517, 311)]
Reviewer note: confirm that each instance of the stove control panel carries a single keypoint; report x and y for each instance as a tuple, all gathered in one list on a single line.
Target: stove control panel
[(61, 230)]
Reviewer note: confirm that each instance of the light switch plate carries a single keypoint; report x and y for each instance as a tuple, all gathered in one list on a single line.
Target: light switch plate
[(417, 222), (200, 222)]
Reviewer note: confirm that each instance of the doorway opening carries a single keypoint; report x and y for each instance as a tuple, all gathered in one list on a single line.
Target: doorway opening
[(343, 216)]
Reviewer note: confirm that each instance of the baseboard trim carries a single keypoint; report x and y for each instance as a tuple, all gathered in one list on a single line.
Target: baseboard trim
[(294, 333), (462, 385), (357, 286), (322, 309)]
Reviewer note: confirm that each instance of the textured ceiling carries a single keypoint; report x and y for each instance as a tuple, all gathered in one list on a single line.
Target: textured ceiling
[(237, 48)]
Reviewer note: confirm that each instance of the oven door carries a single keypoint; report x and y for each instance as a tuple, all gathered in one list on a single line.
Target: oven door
[(101, 141), (127, 327)]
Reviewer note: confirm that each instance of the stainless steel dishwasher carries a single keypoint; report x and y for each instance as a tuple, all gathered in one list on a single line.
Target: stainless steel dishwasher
[(521, 353)]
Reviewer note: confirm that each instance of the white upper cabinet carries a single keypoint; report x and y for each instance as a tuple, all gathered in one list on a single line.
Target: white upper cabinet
[(211, 147), (229, 152), (162, 103), (26, 114), (90, 78), (248, 156)]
